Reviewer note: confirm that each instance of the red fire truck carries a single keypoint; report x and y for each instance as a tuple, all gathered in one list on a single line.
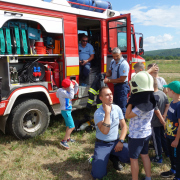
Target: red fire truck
[(39, 47)]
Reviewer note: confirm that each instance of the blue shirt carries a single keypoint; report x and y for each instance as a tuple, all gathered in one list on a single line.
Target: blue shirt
[(123, 69), (115, 116), (172, 124), (140, 125), (86, 52)]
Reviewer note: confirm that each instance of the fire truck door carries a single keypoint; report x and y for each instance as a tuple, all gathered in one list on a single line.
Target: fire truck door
[(118, 35)]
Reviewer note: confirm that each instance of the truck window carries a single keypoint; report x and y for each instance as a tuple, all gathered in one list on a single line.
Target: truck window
[(118, 34), (122, 38)]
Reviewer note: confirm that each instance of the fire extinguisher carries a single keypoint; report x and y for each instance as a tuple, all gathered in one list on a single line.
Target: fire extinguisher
[(48, 77), (56, 73)]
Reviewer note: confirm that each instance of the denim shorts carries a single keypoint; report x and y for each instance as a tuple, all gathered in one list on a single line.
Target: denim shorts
[(68, 118), (138, 146)]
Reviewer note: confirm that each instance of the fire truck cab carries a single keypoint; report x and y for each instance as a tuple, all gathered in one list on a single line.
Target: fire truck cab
[(39, 48)]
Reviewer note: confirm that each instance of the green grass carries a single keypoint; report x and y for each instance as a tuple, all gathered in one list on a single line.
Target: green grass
[(166, 66), (42, 158)]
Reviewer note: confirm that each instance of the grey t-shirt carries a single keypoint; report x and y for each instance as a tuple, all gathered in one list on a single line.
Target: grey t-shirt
[(163, 100), (161, 81)]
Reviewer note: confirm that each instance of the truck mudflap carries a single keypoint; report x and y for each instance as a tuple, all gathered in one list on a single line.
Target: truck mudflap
[(3, 120)]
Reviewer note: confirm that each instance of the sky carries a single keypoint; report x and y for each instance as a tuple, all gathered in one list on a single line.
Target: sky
[(158, 20)]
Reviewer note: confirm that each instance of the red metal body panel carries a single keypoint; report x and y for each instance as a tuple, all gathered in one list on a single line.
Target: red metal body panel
[(3, 106), (103, 43), (54, 99), (70, 35)]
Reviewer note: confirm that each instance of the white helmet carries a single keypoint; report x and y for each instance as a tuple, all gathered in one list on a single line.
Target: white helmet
[(141, 82)]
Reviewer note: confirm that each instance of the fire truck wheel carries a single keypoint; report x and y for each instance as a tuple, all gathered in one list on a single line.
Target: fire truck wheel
[(29, 119)]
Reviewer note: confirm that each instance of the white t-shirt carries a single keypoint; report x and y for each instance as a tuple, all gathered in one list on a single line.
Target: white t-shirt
[(140, 126)]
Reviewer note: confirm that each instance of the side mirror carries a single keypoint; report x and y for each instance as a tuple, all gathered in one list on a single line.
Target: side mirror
[(140, 42), (141, 51)]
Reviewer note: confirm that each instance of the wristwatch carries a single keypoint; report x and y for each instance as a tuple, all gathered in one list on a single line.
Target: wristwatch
[(120, 140)]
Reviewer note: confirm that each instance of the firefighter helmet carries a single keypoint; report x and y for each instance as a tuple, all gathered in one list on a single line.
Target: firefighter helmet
[(142, 81)]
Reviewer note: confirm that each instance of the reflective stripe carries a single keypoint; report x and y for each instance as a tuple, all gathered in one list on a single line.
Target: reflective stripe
[(97, 92), (72, 71), (98, 105), (72, 61), (137, 60), (105, 59), (92, 91), (90, 101)]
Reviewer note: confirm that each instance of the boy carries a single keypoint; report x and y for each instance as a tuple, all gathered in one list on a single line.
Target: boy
[(173, 130), (65, 95), (140, 110), (139, 66), (160, 80), (158, 124)]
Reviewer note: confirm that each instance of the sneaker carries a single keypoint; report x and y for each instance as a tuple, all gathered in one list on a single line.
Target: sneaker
[(157, 159), (116, 163), (71, 140), (64, 144), (167, 174)]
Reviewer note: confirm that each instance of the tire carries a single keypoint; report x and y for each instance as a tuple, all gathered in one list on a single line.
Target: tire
[(29, 119)]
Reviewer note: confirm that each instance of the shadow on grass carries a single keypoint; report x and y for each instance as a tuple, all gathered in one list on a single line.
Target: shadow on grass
[(70, 169), (79, 169)]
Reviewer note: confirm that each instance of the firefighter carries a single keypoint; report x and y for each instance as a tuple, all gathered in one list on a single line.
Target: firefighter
[(97, 84), (94, 90), (119, 70), (86, 54)]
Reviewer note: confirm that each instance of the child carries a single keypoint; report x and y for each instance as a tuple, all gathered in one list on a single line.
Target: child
[(139, 66), (65, 95), (158, 124), (173, 130), (160, 80), (140, 110)]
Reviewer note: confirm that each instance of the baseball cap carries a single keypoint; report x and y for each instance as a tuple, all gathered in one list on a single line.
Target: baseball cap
[(175, 86), (66, 83)]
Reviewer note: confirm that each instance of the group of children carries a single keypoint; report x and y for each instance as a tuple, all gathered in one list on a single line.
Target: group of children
[(164, 122), (146, 113)]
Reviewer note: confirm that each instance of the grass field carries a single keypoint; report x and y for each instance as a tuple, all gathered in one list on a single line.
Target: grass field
[(42, 158)]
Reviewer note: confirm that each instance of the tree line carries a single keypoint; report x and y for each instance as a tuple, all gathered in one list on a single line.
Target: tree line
[(169, 54), (148, 58)]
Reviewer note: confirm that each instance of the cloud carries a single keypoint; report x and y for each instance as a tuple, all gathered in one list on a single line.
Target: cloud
[(159, 42), (158, 39), (161, 16)]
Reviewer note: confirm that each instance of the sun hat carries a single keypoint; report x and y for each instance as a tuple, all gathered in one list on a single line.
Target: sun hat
[(175, 86), (66, 83)]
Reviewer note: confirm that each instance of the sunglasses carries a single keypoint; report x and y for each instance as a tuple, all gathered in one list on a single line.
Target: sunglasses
[(84, 40)]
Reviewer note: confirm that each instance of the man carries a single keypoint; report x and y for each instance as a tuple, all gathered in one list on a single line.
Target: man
[(119, 70), (86, 55), (107, 119)]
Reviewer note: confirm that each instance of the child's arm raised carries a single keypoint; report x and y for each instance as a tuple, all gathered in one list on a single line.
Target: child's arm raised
[(129, 114), (76, 86)]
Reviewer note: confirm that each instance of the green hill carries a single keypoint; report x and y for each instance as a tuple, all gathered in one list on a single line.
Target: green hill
[(163, 52)]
